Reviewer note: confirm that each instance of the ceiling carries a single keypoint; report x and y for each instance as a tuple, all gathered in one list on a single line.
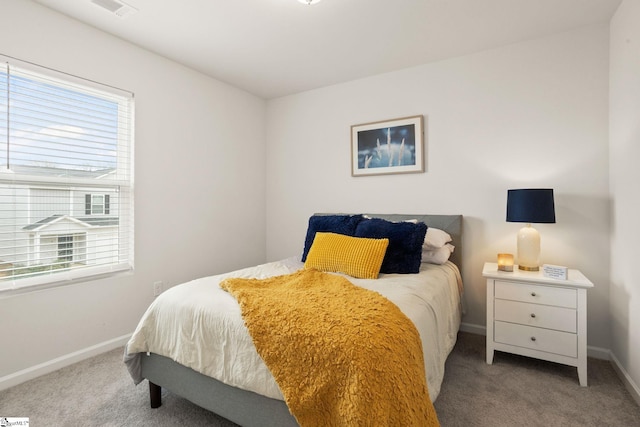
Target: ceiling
[(273, 48)]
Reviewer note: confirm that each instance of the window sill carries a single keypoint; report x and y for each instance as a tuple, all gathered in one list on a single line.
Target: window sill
[(40, 283)]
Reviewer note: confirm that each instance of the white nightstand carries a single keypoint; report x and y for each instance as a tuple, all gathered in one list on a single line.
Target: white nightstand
[(535, 316)]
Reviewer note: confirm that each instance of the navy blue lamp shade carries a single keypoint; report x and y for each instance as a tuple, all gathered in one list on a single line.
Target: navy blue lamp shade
[(532, 205)]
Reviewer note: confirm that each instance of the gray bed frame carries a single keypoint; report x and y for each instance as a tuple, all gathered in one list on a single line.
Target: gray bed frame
[(243, 407)]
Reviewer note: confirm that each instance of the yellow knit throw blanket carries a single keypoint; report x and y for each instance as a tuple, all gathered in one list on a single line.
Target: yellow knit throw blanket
[(342, 355)]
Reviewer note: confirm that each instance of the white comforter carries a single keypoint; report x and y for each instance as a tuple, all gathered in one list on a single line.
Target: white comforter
[(199, 325)]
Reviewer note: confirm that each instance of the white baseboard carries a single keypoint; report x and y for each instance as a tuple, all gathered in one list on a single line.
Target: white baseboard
[(60, 362), (628, 382), (595, 352), (473, 329), (598, 353)]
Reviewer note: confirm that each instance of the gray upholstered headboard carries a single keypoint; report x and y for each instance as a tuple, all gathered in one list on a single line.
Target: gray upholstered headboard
[(452, 224)]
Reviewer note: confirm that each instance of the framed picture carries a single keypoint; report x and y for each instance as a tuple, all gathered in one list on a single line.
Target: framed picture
[(385, 147)]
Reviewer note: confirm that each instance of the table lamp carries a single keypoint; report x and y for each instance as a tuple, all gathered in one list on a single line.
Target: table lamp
[(530, 205)]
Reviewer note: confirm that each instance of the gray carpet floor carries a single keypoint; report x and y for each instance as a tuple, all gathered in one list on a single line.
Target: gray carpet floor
[(514, 391)]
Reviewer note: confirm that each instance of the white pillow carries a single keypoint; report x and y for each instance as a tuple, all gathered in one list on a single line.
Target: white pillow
[(437, 256), (435, 239)]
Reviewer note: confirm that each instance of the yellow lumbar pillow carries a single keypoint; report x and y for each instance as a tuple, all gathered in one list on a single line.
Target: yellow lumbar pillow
[(356, 256)]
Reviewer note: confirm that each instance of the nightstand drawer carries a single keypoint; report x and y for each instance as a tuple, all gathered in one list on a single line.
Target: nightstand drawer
[(536, 294), (562, 343), (542, 316)]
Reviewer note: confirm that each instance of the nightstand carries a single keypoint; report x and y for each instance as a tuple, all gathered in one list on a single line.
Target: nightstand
[(536, 316)]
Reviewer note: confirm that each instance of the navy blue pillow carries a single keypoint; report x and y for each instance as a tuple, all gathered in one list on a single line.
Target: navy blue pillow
[(340, 224), (404, 252)]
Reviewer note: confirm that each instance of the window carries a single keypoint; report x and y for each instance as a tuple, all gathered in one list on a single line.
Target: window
[(65, 248), (96, 204), (66, 177)]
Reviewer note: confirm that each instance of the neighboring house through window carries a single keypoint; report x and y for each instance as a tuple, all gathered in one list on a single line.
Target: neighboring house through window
[(66, 187)]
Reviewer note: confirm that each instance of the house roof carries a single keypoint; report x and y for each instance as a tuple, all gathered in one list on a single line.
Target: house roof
[(75, 173), (89, 222), (101, 221)]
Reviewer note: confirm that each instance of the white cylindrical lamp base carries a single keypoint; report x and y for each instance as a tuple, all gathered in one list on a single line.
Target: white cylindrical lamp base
[(528, 248)]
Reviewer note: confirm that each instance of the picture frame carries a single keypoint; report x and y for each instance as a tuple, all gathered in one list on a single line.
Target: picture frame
[(388, 147)]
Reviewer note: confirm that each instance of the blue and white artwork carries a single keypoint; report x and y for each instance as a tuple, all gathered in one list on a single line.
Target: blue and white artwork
[(392, 146), (388, 147)]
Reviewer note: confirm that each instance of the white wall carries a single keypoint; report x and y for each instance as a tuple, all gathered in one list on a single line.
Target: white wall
[(625, 176), (199, 188), (532, 114)]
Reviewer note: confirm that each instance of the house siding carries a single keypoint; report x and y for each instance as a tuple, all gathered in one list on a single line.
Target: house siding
[(10, 223)]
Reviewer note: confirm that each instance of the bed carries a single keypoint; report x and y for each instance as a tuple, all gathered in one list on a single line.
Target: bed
[(245, 393)]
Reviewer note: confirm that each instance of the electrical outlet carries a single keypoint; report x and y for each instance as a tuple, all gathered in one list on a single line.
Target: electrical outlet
[(157, 288)]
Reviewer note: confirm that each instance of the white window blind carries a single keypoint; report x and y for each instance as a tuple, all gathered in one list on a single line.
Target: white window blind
[(64, 141)]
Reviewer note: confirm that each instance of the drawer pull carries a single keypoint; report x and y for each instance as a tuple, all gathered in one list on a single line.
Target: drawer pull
[(533, 315), (533, 338), (533, 294)]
